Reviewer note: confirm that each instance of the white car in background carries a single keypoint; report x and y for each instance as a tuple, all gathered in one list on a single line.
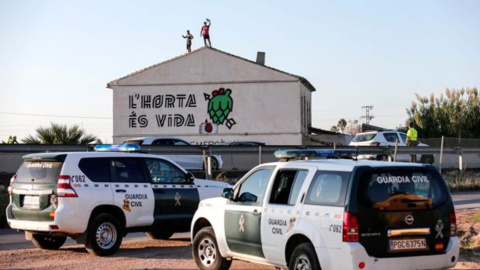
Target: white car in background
[(387, 138), (189, 162)]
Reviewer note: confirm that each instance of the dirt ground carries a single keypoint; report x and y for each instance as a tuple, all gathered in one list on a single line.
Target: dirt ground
[(133, 254), (469, 256), (176, 253)]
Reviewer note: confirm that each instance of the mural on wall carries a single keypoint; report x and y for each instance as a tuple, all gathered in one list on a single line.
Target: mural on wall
[(220, 105)]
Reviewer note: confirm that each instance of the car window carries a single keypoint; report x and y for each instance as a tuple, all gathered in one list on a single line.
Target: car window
[(364, 137), (139, 142), (179, 142), (253, 188), (128, 170), (97, 169), (402, 189), (39, 171), (162, 142), (390, 137), (286, 186), (162, 171), (404, 137), (328, 188)]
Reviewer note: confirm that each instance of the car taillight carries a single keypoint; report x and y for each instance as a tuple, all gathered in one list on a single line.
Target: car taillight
[(10, 186), (374, 144), (64, 189), (350, 227), (453, 224)]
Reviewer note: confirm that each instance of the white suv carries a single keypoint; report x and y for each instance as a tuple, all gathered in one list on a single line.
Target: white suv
[(330, 214), (387, 138), (189, 162), (97, 198)]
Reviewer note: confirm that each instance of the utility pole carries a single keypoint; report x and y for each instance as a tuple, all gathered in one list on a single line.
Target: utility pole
[(367, 116)]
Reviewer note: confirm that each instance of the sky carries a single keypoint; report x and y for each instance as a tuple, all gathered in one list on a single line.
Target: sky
[(56, 57)]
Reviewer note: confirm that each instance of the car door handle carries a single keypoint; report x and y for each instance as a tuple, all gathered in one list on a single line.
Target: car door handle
[(256, 212), (120, 190)]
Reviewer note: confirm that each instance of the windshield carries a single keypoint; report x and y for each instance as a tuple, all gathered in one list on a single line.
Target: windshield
[(364, 137), (402, 189)]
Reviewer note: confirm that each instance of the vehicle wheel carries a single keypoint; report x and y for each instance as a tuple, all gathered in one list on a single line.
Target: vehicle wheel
[(47, 241), (104, 235), (205, 251), (160, 234), (427, 159), (214, 162), (382, 157), (304, 257)]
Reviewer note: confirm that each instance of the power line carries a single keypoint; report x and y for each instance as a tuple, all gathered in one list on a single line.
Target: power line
[(53, 115)]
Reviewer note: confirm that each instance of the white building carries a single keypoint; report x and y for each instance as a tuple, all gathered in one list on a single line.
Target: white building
[(209, 97)]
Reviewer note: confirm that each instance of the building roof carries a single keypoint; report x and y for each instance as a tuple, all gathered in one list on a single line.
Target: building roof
[(303, 80)]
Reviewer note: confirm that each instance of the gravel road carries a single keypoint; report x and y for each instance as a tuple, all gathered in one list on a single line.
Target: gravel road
[(138, 253)]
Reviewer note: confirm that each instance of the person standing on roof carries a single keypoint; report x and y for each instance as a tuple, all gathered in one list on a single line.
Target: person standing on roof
[(189, 38), (205, 32), (412, 140)]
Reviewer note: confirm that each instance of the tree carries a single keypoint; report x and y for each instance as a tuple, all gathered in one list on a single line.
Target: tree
[(457, 114), (334, 129), (60, 134), (342, 124), (353, 127)]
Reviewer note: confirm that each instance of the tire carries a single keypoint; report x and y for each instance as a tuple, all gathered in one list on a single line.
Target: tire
[(214, 162), (304, 257), (206, 253), (427, 159), (160, 234), (48, 242), (104, 235)]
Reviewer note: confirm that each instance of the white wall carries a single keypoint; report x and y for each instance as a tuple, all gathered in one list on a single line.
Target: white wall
[(262, 109), (266, 102)]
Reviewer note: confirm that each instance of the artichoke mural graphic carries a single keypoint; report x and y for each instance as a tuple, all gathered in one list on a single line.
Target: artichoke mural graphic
[(220, 104)]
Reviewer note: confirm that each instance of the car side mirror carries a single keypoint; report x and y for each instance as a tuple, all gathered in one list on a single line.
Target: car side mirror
[(248, 197), (189, 178), (227, 193)]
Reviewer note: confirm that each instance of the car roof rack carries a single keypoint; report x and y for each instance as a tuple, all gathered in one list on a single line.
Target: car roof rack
[(305, 154)]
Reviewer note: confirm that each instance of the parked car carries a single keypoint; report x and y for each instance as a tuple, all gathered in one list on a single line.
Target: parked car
[(387, 138), (247, 143), (189, 162), (330, 214), (97, 198)]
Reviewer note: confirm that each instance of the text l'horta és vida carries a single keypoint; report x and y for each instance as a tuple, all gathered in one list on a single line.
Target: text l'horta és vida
[(145, 102)]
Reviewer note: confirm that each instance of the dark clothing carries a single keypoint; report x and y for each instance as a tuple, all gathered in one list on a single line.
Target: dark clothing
[(413, 143)]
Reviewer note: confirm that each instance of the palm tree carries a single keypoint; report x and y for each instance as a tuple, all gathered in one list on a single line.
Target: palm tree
[(60, 134), (342, 124)]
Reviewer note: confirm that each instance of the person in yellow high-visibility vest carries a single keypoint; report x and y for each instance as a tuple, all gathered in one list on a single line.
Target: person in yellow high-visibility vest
[(412, 140)]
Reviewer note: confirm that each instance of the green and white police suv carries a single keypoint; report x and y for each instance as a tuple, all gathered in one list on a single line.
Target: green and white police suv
[(98, 197), (330, 214)]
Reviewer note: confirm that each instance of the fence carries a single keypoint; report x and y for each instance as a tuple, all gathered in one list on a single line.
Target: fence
[(243, 158), (236, 159)]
